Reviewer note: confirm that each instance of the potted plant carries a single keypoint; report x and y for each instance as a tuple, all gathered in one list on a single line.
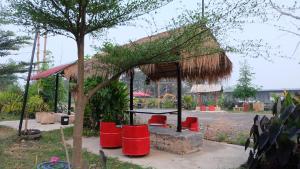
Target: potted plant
[(54, 163), (203, 108), (211, 106)]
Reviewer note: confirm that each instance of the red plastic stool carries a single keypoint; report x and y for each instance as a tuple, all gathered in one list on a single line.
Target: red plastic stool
[(191, 123), (158, 120), (135, 140), (110, 135)]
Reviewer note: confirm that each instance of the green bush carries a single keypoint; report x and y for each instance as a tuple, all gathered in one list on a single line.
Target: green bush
[(108, 104), (188, 102), (152, 102), (168, 104), (276, 140), (36, 104), (222, 136), (10, 102)]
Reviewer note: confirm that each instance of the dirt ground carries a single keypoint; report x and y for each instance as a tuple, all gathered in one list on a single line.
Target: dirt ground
[(213, 124)]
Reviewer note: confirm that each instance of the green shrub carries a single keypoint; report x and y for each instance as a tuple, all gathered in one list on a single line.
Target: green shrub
[(36, 104), (239, 139), (10, 102), (168, 104), (221, 100), (221, 137), (276, 140), (108, 104), (188, 102), (151, 102)]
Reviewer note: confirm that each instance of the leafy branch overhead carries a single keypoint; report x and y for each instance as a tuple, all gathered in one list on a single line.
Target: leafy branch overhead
[(65, 16), (12, 67)]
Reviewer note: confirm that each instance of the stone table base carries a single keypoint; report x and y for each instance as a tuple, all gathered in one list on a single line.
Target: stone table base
[(167, 139)]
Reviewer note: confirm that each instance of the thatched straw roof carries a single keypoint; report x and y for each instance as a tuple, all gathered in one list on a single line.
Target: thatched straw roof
[(199, 66), (196, 66)]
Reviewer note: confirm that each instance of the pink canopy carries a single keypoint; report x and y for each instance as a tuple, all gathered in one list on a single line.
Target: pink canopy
[(141, 94), (51, 71)]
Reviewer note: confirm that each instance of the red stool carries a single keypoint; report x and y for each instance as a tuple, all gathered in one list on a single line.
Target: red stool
[(191, 123), (158, 120), (110, 135), (135, 140)]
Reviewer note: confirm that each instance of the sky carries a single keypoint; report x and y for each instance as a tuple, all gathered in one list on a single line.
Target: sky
[(279, 73)]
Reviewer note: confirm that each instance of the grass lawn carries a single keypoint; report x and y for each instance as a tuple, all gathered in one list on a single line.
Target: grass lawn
[(18, 154)]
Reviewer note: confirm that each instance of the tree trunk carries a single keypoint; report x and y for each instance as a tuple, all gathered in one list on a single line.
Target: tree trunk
[(79, 110)]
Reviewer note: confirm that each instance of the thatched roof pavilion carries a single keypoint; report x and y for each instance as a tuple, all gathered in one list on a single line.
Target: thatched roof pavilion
[(198, 66), (209, 64)]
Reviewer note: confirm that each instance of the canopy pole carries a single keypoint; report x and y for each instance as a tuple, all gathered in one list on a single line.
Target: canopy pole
[(56, 92), (202, 8), (131, 95), (69, 99), (27, 83), (179, 127)]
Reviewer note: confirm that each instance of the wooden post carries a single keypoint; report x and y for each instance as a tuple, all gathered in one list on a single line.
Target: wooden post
[(27, 84), (56, 92), (45, 47), (131, 95), (178, 98)]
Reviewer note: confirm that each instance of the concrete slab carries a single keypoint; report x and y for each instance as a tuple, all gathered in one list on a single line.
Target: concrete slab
[(213, 155), (32, 124)]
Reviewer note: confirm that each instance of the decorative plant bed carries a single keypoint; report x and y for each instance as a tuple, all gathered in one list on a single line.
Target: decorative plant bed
[(31, 134), (45, 117), (51, 165), (211, 108), (202, 108)]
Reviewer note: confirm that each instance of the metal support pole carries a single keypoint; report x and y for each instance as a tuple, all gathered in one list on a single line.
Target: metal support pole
[(131, 95), (202, 8), (27, 84), (178, 98), (56, 92), (69, 100)]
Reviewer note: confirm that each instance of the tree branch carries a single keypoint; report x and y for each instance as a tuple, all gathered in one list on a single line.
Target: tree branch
[(291, 32), (283, 12), (66, 15), (103, 84)]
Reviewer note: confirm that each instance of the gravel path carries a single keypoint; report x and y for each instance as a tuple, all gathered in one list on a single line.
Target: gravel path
[(212, 122)]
